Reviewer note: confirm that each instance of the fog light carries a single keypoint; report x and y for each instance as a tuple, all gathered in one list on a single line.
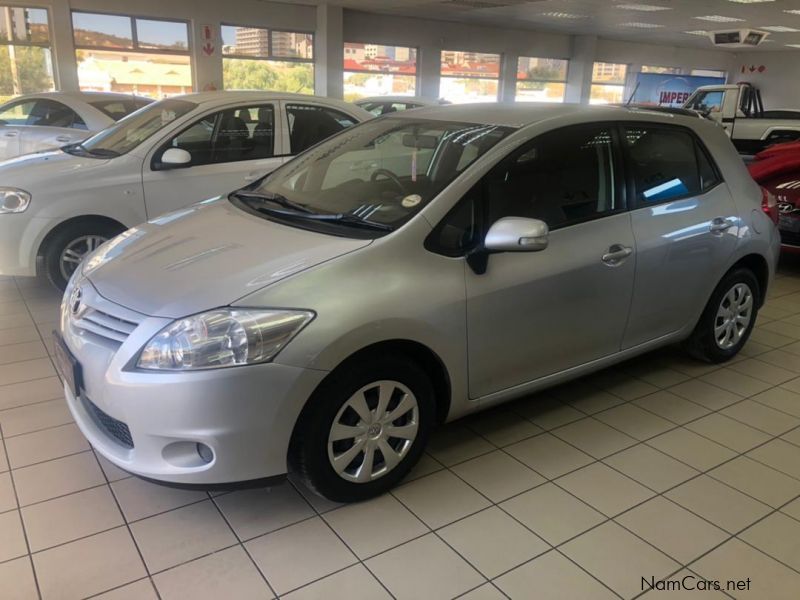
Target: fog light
[(205, 453)]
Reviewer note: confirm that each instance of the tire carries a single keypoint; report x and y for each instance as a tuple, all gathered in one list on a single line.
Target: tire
[(312, 453), (716, 346), (77, 237)]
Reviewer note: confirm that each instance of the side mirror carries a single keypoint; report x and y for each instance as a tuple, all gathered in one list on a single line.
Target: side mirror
[(517, 234), (175, 158)]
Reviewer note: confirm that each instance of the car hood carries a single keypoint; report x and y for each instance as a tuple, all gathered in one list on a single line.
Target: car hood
[(205, 256), (32, 172)]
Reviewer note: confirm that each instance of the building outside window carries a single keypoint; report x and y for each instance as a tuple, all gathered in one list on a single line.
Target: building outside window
[(469, 76), (26, 64), (710, 73), (661, 70), (119, 53), (378, 70), (608, 83), (541, 79), (256, 58)]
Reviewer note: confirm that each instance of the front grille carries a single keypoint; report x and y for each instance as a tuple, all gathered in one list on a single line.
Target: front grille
[(113, 427), (790, 238), (102, 318)]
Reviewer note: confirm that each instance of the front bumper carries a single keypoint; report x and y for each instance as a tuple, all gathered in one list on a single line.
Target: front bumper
[(242, 417)]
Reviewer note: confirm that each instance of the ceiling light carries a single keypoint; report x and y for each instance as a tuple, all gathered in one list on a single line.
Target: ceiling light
[(641, 25), (718, 19), (793, 11), (779, 28), (642, 7), (750, 1), (563, 15), (702, 32), (793, 45)]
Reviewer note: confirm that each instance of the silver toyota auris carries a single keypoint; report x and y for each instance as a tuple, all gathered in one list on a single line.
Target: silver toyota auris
[(409, 271)]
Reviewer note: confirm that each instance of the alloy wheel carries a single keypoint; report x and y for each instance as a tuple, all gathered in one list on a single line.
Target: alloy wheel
[(733, 316), (373, 431), (74, 252)]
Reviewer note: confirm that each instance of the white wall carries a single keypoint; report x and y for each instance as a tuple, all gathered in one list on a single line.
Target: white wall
[(429, 36), (779, 82)]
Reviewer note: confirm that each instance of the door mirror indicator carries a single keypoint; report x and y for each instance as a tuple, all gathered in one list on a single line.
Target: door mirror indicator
[(175, 158), (517, 234)]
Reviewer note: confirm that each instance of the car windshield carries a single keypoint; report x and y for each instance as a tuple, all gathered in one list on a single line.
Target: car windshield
[(118, 109), (376, 175), (132, 130)]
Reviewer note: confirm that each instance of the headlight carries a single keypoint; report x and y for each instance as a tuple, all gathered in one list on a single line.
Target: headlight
[(226, 337), (13, 200)]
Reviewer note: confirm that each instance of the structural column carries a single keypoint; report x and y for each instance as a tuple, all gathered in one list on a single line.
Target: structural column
[(508, 77), (329, 52), (579, 78), (429, 70), (65, 65)]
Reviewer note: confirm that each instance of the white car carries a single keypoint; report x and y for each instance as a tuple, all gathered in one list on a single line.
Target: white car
[(52, 119), (383, 105), (59, 205)]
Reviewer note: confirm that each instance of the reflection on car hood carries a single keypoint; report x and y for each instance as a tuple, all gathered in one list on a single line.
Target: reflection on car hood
[(205, 256), (36, 170)]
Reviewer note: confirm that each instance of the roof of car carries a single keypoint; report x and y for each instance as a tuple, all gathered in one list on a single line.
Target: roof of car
[(520, 114), (413, 99), (86, 96), (230, 96)]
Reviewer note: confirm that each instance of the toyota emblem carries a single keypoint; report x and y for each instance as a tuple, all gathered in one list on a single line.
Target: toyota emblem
[(75, 301)]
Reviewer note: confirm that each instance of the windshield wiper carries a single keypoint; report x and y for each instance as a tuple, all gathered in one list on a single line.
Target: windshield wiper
[(352, 220), (276, 198), (81, 150)]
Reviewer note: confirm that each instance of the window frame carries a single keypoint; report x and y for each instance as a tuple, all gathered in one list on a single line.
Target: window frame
[(699, 147), (270, 55), (621, 188), (48, 44), (564, 81), (415, 74), (164, 144), (134, 34)]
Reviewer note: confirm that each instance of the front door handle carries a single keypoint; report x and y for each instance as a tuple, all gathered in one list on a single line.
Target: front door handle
[(63, 138), (11, 133), (616, 255), (720, 225)]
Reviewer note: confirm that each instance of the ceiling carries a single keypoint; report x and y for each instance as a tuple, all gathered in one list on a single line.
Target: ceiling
[(654, 21)]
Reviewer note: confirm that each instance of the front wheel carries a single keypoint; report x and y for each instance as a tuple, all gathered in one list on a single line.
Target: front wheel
[(364, 429), (68, 247), (728, 319)]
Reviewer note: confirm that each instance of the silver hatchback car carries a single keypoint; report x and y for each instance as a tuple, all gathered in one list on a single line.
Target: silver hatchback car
[(406, 272)]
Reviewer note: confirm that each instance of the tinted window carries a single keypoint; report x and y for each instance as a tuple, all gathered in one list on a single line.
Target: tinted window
[(708, 102), (664, 163), (116, 109), (16, 113), (562, 177), (49, 113), (309, 125), (237, 134)]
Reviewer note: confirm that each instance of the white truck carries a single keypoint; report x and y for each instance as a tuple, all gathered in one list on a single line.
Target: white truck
[(740, 111)]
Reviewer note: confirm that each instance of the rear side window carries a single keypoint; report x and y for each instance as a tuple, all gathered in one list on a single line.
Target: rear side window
[(309, 125), (666, 164), (49, 113)]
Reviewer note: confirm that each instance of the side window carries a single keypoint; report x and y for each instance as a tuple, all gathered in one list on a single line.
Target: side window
[(709, 175), (562, 177), (233, 135), (664, 163), (709, 102), (309, 125), (16, 113), (49, 113)]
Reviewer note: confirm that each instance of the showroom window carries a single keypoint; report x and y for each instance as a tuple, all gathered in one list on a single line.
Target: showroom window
[(608, 83), (667, 163), (377, 70), (710, 73), (254, 58), (541, 79), (661, 70), (133, 55), (26, 64), (469, 76)]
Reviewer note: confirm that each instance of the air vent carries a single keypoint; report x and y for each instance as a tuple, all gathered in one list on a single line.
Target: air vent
[(737, 38)]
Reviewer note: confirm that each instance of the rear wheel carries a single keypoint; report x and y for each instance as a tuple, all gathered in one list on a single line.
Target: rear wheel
[(71, 244), (364, 429), (728, 318)]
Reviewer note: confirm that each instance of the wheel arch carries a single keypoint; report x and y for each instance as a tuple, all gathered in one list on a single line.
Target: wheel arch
[(758, 265), (71, 221)]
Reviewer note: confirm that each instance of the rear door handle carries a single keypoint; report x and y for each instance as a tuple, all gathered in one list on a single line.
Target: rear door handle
[(616, 255), (11, 134), (63, 138), (720, 225)]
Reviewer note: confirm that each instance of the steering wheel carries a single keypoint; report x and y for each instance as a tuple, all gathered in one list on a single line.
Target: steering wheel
[(389, 175)]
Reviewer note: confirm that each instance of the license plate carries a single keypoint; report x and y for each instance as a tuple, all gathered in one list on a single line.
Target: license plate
[(68, 366)]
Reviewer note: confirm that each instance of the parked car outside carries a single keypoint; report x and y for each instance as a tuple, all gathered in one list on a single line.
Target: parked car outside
[(41, 121), (62, 204), (384, 105), (777, 170), (409, 271)]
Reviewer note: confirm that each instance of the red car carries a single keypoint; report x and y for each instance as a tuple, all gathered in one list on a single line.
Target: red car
[(777, 171)]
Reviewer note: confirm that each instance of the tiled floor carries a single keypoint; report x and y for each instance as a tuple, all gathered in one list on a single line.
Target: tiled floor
[(659, 468)]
